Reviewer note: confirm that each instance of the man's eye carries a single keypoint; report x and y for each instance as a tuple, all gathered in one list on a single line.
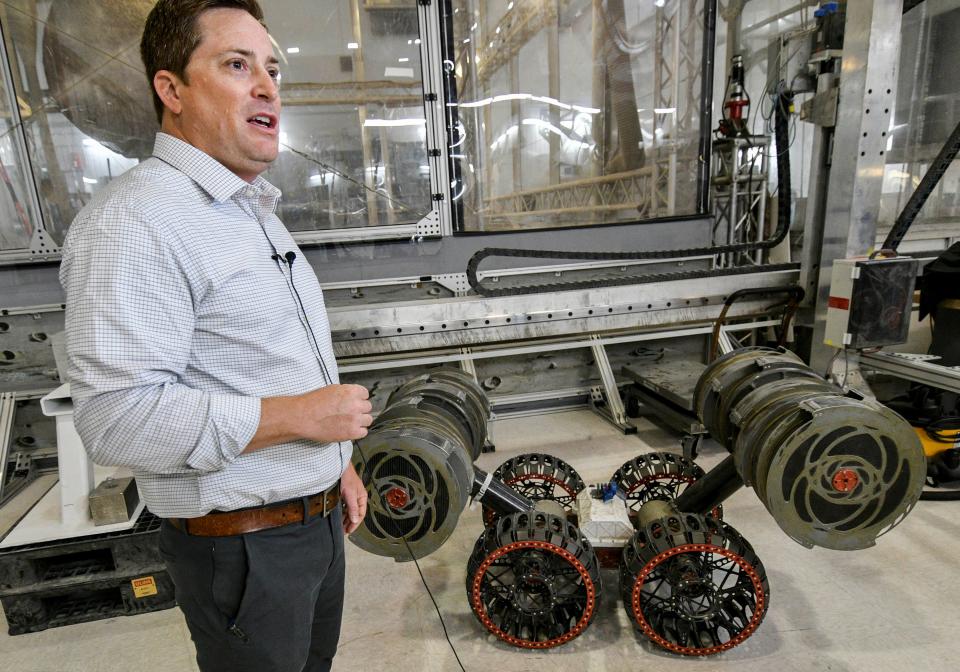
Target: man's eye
[(274, 74), (237, 65)]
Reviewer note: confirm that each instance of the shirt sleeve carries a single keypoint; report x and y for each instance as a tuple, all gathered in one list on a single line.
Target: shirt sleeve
[(129, 332)]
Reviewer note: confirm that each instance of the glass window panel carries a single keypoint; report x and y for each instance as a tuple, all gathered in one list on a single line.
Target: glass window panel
[(17, 219), (346, 67), (926, 113), (575, 113), (353, 149), (761, 23)]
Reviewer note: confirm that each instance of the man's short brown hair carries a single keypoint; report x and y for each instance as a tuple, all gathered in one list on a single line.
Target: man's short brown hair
[(170, 36)]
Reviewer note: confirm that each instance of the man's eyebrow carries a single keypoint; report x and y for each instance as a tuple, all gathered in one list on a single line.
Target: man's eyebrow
[(272, 60)]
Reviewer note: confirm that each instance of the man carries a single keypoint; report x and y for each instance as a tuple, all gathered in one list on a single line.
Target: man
[(200, 354)]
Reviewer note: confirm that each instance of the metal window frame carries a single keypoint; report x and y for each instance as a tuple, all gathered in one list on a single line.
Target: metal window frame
[(41, 247), (435, 28)]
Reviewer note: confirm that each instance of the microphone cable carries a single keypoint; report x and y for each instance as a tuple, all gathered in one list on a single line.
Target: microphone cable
[(416, 563), (288, 258)]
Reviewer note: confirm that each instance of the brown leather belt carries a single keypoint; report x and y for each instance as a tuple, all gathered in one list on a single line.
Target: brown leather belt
[(230, 523)]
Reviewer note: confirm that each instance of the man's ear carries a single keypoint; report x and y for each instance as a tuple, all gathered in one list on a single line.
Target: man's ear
[(167, 85)]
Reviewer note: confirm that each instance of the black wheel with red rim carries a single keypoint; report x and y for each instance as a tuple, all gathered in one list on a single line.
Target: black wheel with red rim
[(538, 476), (692, 585), (657, 476), (533, 580)]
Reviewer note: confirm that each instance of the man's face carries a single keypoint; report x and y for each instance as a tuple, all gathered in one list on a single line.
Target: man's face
[(231, 107)]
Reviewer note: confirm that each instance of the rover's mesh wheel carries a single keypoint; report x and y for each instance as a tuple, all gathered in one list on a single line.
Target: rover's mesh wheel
[(533, 580), (538, 476), (658, 475), (692, 585)]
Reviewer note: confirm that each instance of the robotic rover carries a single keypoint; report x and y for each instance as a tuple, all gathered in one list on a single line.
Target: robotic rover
[(833, 469)]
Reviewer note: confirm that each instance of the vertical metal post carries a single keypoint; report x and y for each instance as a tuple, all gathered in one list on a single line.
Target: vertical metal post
[(435, 68), (553, 90), (816, 206), (366, 139), (387, 174), (868, 76), (8, 407), (598, 93), (616, 413), (675, 133), (706, 104), (19, 141), (515, 112)]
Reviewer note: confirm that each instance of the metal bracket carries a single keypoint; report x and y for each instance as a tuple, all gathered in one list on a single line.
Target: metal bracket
[(455, 282), (612, 409), (725, 344), (467, 363), (8, 407), (429, 225), (917, 368), (821, 109)]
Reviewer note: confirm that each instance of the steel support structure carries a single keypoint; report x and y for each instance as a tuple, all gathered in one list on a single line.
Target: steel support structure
[(868, 77), (613, 408), (917, 368), (8, 408), (739, 186), (636, 191)]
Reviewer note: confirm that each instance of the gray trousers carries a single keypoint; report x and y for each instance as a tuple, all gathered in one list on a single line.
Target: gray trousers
[(269, 601)]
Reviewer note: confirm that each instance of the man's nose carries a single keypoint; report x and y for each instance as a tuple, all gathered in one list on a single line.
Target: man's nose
[(266, 87)]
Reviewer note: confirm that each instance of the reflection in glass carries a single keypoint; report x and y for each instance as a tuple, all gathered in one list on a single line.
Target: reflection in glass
[(926, 113), (16, 225), (353, 146), (575, 112), (347, 66)]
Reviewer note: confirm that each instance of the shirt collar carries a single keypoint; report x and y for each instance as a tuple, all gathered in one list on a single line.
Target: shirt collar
[(217, 180)]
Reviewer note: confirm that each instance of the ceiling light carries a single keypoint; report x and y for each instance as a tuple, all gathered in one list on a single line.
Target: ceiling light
[(293, 50), (403, 60), (352, 45)]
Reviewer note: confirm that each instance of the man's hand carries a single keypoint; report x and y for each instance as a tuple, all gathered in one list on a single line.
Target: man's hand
[(331, 413), (354, 497), (334, 413)]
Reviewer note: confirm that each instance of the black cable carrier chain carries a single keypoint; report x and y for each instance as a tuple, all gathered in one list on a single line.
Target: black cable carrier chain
[(568, 285), (565, 285), (783, 226)]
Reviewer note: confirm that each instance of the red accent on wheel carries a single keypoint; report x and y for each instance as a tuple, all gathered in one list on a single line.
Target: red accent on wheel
[(476, 600), (541, 477), (845, 480), (397, 498), (747, 568)]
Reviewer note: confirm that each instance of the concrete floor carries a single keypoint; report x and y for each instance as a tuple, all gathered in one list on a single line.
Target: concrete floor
[(893, 607)]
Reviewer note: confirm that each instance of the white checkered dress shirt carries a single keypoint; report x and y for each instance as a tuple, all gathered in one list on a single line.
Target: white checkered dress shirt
[(178, 321)]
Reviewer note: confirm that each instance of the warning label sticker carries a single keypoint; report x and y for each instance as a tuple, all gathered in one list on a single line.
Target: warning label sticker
[(144, 586)]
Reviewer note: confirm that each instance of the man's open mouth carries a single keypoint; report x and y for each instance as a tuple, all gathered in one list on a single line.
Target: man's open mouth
[(263, 120)]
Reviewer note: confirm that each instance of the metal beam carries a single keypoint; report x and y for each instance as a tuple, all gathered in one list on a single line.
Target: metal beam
[(868, 77), (918, 368), (347, 365), (471, 321)]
